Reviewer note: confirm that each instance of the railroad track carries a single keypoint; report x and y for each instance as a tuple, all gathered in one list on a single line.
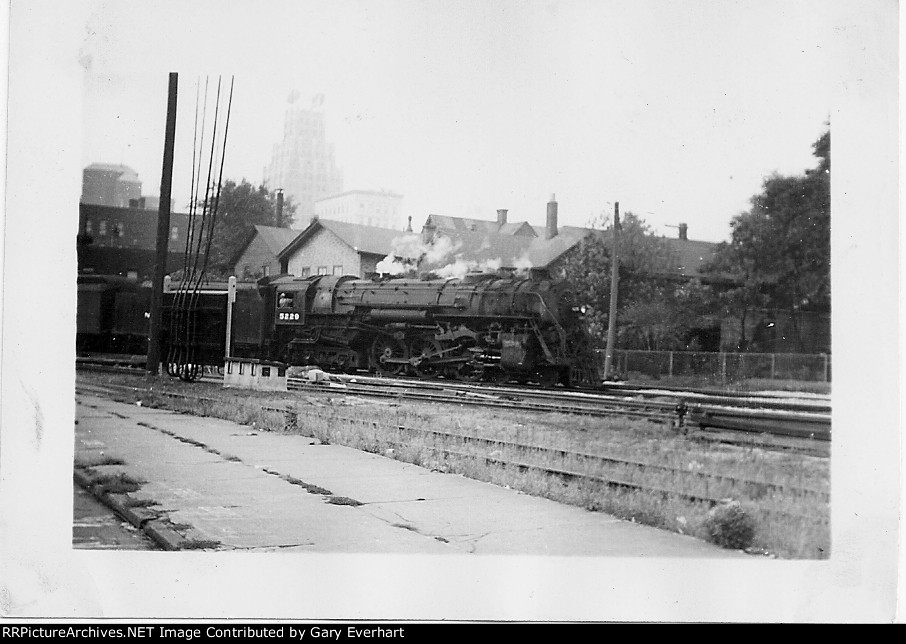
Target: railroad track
[(809, 426), (749, 416)]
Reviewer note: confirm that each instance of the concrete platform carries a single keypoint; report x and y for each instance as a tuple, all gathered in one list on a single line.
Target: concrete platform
[(245, 490)]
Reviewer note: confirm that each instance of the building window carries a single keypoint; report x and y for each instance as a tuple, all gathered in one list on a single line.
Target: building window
[(174, 233), (89, 228), (267, 270), (338, 269), (306, 272), (102, 227), (322, 270)]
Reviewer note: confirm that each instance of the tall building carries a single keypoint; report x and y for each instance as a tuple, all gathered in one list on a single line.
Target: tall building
[(365, 207), (303, 162), (106, 184)]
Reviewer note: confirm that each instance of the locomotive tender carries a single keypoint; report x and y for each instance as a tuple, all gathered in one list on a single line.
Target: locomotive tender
[(482, 326)]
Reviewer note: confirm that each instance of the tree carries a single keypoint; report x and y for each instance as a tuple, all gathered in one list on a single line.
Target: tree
[(779, 253), (655, 311), (239, 209)]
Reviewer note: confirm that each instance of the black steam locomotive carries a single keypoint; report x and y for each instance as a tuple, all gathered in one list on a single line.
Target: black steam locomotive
[(481, 327)]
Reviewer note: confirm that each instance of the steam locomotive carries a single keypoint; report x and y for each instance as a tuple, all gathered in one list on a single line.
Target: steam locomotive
[(480, 327)]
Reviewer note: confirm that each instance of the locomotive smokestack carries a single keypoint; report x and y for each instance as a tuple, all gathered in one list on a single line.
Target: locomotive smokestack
[(501, 216), (551, 230), (683, 231)]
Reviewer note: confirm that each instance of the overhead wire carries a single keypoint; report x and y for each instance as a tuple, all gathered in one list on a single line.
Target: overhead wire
[(183, 353)]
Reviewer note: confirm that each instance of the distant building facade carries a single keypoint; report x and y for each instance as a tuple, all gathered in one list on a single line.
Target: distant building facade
[(366, 207), (303, 163), (122, 241), (106, 184)]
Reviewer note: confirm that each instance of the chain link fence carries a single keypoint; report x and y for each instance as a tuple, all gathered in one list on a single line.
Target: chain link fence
[(719, 368)]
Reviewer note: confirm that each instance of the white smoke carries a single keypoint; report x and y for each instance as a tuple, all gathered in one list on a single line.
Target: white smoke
[(522, 264), (440, 249), (391, 266), (460, 268), (408, 251)]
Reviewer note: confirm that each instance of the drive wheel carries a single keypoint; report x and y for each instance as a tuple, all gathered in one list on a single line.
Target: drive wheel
[(384, 349), (421, 353)]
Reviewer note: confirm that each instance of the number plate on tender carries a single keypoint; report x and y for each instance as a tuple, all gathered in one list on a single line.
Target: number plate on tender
[(288, 317)]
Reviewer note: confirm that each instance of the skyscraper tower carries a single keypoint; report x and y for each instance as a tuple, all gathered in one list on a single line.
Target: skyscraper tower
[(303, 163)]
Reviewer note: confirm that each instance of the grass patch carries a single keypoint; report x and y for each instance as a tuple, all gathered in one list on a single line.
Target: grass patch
[(200, 544), (116, 484), (96, 460), (342, 500), (140, 503)]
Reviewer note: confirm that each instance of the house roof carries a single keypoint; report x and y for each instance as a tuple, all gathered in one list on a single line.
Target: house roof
[(369, 240), (476, 242), (465, 225), (274, 238), (691, 255), (484, 249)]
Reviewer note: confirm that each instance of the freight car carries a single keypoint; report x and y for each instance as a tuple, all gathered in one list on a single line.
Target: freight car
[(112, 314), (483, 326)]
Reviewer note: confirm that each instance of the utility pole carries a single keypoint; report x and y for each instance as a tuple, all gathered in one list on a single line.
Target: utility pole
[(163, 232), (614, 282)]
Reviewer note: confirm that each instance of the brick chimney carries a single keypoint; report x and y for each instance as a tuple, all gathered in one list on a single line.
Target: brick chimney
[(683, 231), (501, 216), (279, 206), (551, 230)]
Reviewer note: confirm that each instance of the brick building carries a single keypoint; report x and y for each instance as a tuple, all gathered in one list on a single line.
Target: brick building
[(123, 241)]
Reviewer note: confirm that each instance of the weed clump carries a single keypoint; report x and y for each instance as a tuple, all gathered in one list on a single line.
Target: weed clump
[(116, 484), (728, 525)]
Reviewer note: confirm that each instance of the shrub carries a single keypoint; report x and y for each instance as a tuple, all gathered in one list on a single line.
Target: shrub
[(730, 526)]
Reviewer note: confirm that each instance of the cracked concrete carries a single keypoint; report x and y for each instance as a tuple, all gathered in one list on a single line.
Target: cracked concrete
[(250, 491)]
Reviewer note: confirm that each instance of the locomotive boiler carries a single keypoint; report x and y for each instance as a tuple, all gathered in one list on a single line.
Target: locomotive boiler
[(483, 326)]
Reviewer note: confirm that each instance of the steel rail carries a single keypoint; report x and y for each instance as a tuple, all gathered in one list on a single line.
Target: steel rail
[(811, 427)]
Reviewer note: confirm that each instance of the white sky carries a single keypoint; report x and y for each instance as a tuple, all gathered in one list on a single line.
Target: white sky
[(677, 110)]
